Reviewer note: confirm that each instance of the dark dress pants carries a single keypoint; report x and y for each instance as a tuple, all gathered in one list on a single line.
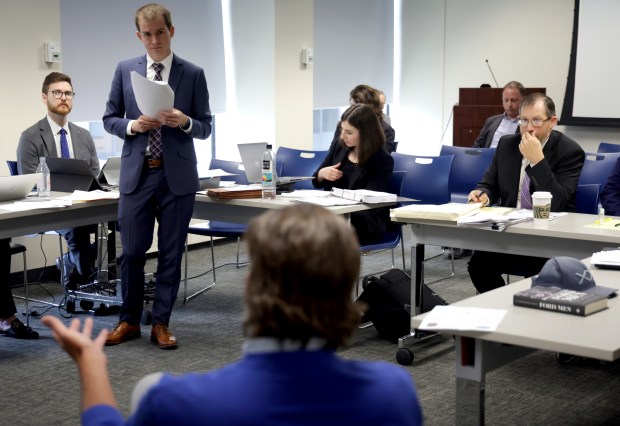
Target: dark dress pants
[(7, 305), (486, 268), (137, 214)]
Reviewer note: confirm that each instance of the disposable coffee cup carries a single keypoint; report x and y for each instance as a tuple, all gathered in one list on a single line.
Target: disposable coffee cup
[(541, 205)]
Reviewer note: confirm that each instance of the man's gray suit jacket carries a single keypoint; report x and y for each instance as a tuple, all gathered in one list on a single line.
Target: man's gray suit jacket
[(38, 141)]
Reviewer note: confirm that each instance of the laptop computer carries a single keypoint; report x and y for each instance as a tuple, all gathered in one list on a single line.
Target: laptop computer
[(18, 186), (252, 158), (69, 174), (111, 171)]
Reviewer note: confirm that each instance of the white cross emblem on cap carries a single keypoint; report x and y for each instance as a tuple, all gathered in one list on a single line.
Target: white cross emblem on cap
[(586, 275)]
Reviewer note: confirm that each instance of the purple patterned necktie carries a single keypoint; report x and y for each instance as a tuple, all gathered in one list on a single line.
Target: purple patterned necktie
[(526, 198), (64, 145), (155, 134)]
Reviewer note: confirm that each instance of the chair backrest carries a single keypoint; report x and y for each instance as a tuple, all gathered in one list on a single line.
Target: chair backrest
[(298, 162), (396, 182), (587, 198), (428, 178), (12, 167), (235, 167), (597, 168), (606, 147), (468, 167)]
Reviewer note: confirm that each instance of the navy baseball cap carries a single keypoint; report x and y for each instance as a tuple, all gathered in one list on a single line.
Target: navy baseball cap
[(570, 274)]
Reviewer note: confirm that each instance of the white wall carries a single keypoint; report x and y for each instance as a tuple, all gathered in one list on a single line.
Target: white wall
[(24, 26), (446, 43)]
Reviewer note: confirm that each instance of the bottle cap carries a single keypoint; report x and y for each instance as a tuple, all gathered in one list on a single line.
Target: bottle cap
[(269, 146)]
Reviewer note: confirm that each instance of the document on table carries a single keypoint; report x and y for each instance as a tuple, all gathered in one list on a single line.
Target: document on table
[(33, 204), (322, 198), (151, 96), (462, 318), (80, 196)]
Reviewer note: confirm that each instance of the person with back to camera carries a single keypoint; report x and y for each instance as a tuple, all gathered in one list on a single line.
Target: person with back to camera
[(358, 160), (304, 264), (364, 94), (539, 159), (507, 123)]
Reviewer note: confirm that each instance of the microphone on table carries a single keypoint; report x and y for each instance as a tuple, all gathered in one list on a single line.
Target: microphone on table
[(492, 75)]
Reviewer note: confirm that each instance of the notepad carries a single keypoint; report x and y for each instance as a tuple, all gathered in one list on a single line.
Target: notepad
[(448, 211)]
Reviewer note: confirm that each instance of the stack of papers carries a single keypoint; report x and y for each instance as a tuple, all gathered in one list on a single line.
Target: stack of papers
[(490, 218), (240, 191), (609, 259), (449, 211), (364, 195)]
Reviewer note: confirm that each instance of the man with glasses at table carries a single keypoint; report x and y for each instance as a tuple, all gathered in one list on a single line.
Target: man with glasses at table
[(55, 136), (539, 159)]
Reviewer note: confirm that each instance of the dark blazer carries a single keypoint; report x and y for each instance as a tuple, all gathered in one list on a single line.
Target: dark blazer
[(610, 196), (558, 173), (488, 131), (388, 131), (180, 165), (38, 141), (374, 175)]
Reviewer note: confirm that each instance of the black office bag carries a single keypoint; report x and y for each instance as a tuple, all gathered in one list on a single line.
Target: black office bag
[(388, 298)]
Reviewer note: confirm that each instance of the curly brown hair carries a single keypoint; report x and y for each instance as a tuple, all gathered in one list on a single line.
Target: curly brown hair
[(304, 262)]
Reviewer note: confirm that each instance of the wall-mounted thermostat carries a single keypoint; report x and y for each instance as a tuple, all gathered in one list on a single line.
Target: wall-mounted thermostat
[(307, 56), (51, 51)]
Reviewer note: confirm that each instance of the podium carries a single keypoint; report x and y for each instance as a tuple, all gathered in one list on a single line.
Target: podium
[(475, 106)]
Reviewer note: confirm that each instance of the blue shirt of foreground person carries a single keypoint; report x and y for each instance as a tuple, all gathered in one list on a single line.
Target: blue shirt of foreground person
[(304, 263)]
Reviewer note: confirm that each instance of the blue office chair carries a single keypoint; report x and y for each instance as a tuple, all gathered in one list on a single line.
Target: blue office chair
[(597, 168), (215, 228), (468, 168), (428, 182), (392, 238), (606, 148), (298, 162), (587, 198), (12, 167)]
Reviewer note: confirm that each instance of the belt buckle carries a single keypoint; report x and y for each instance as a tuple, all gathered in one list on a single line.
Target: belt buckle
[(154, 163)]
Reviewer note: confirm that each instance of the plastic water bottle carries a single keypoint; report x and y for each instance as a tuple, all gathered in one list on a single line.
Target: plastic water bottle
[(269, 174), (44, 186)]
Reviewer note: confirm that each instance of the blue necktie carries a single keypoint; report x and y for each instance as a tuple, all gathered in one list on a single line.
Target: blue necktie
[(64, 145), (155, 134)]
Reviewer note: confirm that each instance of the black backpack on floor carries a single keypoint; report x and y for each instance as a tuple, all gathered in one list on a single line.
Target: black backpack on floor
[(388, 298)]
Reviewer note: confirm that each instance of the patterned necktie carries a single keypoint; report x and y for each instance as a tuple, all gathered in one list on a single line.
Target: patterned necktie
[(526, 197), (155, 134), (64, 145)]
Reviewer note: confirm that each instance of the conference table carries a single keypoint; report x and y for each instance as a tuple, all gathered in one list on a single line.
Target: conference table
[(576, 235), (13, 224), (520, 333)]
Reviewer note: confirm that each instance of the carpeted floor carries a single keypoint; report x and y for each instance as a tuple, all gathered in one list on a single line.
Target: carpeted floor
[(39, 382)]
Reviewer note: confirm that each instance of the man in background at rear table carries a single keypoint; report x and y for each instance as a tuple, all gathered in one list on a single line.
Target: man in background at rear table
[(503, 124), (539, 159), (159, 176), (55, 136)]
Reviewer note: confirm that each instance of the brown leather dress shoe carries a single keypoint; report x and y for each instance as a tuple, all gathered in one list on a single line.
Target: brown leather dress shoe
[(122, 332), (161, 335)]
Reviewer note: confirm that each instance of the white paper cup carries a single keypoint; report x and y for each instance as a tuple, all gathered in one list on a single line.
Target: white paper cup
[(541, 206)]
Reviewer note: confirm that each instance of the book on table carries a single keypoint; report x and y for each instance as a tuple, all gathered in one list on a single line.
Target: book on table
[(449, 211), (558, 299), (364, 195), (240, 191)]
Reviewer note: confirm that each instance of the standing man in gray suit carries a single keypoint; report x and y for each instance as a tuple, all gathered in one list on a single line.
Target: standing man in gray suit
[(503, 124), (55, 136)]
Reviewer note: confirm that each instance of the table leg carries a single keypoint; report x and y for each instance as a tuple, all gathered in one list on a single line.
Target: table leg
[(475, 358)]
